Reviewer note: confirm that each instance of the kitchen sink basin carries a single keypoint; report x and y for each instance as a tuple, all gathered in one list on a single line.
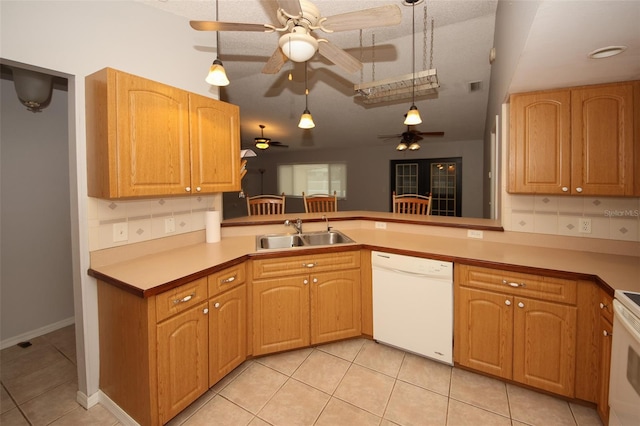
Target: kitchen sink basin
[(305, 239)]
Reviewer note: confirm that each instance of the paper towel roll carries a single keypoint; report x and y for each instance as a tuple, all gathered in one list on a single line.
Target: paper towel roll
[(212, 223)]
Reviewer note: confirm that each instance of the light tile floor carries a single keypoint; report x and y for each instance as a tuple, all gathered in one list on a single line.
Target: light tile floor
[(355, 382)]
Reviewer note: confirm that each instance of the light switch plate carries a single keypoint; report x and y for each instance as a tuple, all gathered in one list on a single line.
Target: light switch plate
[(169, 225)]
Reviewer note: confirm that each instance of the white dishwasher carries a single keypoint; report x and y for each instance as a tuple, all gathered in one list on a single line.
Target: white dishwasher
[(413, 304)]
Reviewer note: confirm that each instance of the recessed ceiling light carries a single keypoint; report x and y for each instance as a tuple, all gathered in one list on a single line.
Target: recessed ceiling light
[(605, 52)]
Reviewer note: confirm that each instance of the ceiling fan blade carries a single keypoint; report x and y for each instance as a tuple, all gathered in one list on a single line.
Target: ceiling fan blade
[(292, 7), (278, 144), (275, 62), (430, 133), (227, 26), (339, 57), (390, 136), (383, 16)]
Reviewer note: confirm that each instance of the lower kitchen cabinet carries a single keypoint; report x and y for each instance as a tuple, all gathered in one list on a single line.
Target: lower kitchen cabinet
[(531, 340), (306, 299), (182, 361), (605, 330)]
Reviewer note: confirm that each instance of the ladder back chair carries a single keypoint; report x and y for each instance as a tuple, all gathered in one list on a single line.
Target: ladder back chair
[(412, 204), (265, 204), (319, 203)]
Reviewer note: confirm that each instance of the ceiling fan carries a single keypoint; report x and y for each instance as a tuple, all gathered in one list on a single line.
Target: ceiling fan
[(410, 138), (299, 19), (265, 143)]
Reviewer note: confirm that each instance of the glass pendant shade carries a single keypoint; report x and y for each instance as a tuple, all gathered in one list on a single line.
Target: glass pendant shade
[(401, 146), (217, 75), (306, 121), (414, 146), (262, 143), (33, 88), (298, 46), (413, 116)]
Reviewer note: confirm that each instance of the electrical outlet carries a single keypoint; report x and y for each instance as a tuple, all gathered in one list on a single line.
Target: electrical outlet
[(120, 232), (169, 225), (584, 225), (474, 233), (381, 225)]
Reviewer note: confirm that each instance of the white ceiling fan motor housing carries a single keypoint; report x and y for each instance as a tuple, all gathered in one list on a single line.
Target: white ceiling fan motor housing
[(310, 15)]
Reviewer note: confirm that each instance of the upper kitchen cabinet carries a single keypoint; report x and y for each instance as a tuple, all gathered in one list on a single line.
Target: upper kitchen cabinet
[(573, 141), (148, 139)]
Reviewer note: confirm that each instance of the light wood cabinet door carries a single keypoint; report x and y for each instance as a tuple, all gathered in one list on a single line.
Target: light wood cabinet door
[(280, 314), (335, 305), (227, 332), (544, 345), (540, 142), (484, 337), (215, 145), (182, 360), (605, 333), (602, 140)]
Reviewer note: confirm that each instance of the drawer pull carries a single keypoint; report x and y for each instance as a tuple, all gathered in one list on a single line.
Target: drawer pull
[(184, 299), (603, 306), (308, 265), (605, 333), (512, 284), (229, 280)]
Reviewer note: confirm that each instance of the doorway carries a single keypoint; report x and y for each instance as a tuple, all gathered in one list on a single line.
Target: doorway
[(442, 177)]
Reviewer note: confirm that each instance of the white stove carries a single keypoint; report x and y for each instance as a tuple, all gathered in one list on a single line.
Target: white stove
[(624, 384)]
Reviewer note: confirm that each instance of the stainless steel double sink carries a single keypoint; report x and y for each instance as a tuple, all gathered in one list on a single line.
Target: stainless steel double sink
[(305, 239)]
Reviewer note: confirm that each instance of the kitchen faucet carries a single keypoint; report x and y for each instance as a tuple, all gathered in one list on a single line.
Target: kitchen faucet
[(324, 216), (297, 224)]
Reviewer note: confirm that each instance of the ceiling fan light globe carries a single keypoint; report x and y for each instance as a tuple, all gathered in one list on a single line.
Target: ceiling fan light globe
[(262, 143), (217, 75), (401, 146), (306, 121), (298, 46), (414, 146), (413, 116)]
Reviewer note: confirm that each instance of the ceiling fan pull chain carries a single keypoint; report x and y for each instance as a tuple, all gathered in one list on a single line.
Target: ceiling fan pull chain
[(373, 57), (424, 38), (361, 57)]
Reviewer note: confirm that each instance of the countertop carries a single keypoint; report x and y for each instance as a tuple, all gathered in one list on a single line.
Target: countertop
[(150, 274)]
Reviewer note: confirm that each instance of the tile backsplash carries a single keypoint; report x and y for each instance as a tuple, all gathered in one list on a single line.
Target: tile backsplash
[(146, 219), (611, 218)]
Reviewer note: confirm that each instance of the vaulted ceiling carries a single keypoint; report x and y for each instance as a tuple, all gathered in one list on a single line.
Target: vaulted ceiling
[(555, 56)]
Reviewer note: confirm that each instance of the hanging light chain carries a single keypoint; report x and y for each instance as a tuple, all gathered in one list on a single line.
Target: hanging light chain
[(413, 52), (361, 58), (424, 37), (373, 57), (431, 54)]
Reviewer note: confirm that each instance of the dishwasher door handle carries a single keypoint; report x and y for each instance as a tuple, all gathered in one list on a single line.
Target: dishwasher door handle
[(400, 271)]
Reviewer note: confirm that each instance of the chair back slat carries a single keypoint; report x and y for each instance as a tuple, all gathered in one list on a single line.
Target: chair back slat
[(265, 205), (412, 204), (319, 203)]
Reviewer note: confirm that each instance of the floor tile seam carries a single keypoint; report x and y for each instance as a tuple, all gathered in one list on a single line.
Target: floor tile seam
[(74, 380), (386, 405), (374, 370), (234, 403), (355, 406), (311, 386), (483, 409), (424, 388)]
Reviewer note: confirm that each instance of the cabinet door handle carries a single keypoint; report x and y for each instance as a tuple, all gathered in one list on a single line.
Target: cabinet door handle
[(188, 189), (216, 305), (578, 189), (565, 189), (305, 282), (198, 189), (308, 265), (520, 305), (603, 306), (205, 311), (605, 333), (512, 284), (229, 280), (184, 299), (315, 280), (507, 302)]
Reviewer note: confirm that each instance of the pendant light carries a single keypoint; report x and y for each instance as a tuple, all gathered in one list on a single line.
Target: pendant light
[(217, 75), (413, 115), (306, 121)]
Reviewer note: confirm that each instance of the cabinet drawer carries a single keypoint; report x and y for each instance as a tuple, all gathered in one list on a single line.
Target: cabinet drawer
[(605, 305), (227, 278), (286, 266), (177, 300), (520, 284)]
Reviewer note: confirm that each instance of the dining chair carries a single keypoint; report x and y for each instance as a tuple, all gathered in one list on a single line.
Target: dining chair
[(265, 204), (412, 204), (317, 203)]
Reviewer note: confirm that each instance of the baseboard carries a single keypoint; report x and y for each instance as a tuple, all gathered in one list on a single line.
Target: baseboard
[(36, 333), (114, 409), (87, 401)]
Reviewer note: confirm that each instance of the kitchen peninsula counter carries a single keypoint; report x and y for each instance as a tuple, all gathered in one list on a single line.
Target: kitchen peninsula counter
[(149, 268)]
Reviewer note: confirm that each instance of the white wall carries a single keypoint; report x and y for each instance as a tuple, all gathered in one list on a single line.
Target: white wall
[(74, 39), (37, 281)]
